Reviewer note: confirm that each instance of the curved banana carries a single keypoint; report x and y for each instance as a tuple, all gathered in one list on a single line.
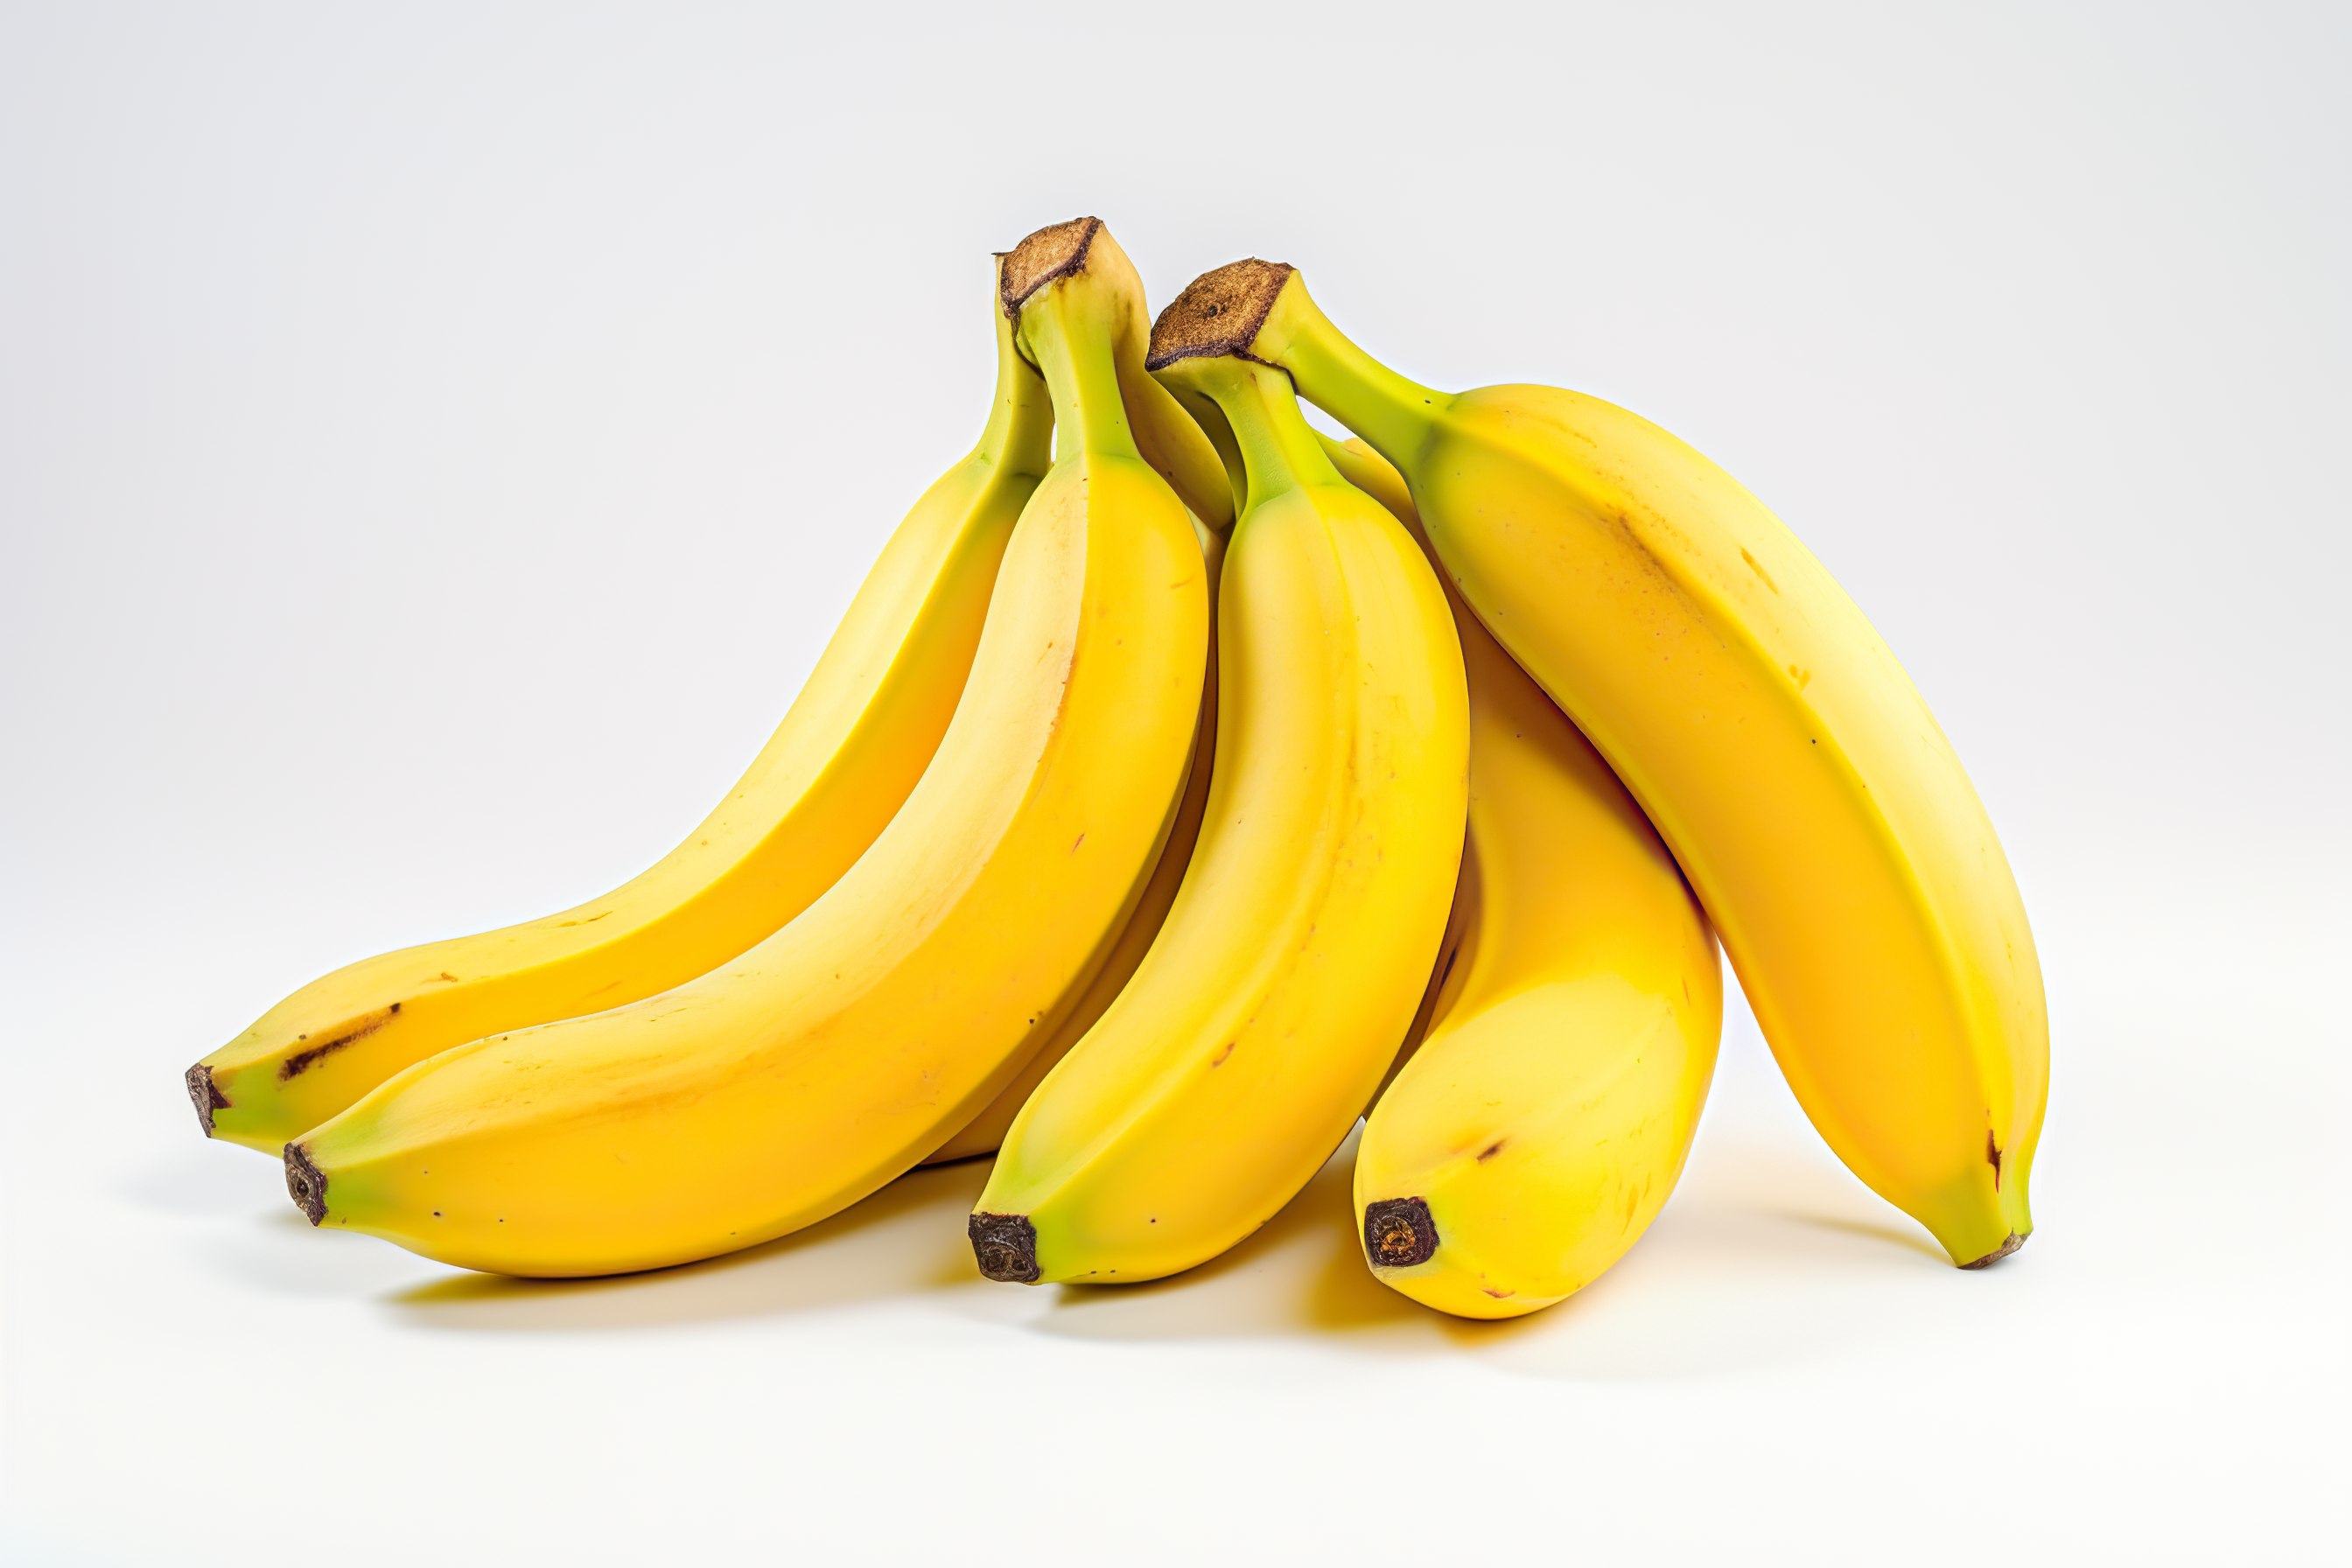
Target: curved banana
[(985, 1132), (787, 1085), (1548, 1113), (1369, 472), (832, 775), (1169, 431), (1259, 1023), (1765, 728)]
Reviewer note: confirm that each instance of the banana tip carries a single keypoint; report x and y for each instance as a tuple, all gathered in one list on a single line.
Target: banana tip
[(1004, 1245), (207, 1094), (2015, 1241), (304, 1183), (1399, 1233)]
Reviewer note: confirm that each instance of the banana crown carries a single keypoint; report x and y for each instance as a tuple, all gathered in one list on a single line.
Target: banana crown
[(1069, 293), (1219, 313), (1275, 448), (1260, 311), (1200, 350), (1057, 251), (1019, 437), (1049, 270)]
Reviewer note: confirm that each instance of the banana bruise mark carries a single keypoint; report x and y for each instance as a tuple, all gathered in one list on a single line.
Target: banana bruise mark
[(1993, 1158), (1399, 1233), (301, 1062), (207, 1094), (1491, 1150), (1004, 1246), (304, 1183)]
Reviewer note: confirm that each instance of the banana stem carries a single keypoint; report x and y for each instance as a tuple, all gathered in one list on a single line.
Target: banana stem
[(1212, 420), (1072, 334), (1280, 451), (1019, 437), (1393, 412)]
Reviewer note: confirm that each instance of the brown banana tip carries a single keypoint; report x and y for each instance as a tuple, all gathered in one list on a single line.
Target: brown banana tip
[(1057, 251), (1218, 314), (1997, 1253), (1399, 1233), (304, 1183), (1005, 1246), (206, 1095)]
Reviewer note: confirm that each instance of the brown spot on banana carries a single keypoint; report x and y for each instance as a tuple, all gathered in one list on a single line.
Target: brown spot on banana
[(301, 1062)]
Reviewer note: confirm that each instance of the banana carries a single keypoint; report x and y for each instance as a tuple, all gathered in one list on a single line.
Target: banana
[(832, 775), (1369, 472), (985, 1132), (1548, 1113), (1781, 750), (790, 1083), (1261, 1019)]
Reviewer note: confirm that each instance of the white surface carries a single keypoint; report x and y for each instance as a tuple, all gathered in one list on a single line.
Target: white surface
[(434, 442)]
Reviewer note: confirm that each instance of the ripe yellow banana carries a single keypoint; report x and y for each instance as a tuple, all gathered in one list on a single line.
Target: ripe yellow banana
[(1765, 728), (835, 772), (1546, 1117), (985, 1132), (1369, 472), (787, 1085), (1259, 1023)]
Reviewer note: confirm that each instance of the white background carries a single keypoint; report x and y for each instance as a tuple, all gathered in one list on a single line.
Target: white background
[(435, 441)]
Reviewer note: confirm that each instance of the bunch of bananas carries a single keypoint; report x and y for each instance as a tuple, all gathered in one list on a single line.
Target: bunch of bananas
[(1149, 847)]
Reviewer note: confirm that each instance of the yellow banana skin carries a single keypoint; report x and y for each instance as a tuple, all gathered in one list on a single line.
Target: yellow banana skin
[(985, 1132), (833, 773), (1543, 1121), (1260, 1021), (1371, 473), (1202, 474), (1781, 750), (785, 1086)]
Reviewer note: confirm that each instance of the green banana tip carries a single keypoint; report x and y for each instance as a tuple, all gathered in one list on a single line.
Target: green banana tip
[(1005, 1246), (1219, 312), (1399, 1233), (1057, 251), (304, 1183), (205, 1092)]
